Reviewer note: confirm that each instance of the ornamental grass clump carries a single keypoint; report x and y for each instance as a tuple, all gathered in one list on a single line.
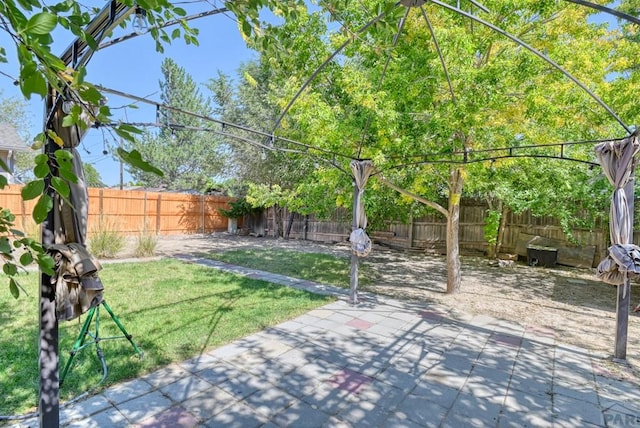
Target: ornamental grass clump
[(106, 241), (146, 244)]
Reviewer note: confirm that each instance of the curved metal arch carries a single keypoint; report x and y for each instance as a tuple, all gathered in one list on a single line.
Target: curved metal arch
[(442, 61), (240, 138), (487, 24), (539, 55), (492, 158), (608, 10)]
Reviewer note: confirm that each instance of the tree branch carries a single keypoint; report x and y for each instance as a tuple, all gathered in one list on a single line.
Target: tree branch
[(420, 199)]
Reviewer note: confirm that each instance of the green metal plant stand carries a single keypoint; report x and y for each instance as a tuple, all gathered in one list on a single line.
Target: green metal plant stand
[(81, 342)]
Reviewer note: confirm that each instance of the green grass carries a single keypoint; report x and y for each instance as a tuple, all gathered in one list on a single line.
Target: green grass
[(173, 310), (317, 267)]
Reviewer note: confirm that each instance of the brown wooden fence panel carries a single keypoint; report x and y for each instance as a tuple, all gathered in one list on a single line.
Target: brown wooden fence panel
[(429, 232), (133, 212), (11, 198)]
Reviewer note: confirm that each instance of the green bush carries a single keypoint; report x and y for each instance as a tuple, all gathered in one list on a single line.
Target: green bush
[(146, 245), (239, 208), (105, 241)]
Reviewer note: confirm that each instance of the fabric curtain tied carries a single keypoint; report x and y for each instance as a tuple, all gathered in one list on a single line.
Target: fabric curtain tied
[(78, 287), (623, 260), (617, 160), (360, 242)]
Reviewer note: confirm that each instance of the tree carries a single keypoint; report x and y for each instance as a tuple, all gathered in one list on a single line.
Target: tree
[(92, 176), (182, 148), (270, 174), (423, 132), (13, 112)]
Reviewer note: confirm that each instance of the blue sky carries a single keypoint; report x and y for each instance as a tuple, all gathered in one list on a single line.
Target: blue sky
[(133, 66)]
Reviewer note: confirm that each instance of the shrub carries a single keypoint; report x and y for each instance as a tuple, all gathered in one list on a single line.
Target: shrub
[(146, 245), (105, 241)]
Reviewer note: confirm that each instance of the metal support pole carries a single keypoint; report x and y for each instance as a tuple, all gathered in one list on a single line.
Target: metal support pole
[(77, 54), (353, 288), (622, 319), (48, 359), (624, 290)]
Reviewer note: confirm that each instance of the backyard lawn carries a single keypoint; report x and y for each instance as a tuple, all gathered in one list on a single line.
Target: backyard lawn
[(173, 310), (317, 267)]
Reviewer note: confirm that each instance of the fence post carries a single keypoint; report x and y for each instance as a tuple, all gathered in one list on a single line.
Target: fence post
[(410, 237), (158, 216), (23, 207), (204, 221), (101, 205), (144, 213)]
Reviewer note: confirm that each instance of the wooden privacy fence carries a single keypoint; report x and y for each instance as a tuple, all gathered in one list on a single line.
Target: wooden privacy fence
[(428, 233), (134, 212)]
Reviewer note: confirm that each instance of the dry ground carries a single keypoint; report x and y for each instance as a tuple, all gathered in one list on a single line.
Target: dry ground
[(567, 302)]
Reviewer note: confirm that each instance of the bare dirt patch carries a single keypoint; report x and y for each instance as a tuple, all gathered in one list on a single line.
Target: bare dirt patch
[(566, 302)]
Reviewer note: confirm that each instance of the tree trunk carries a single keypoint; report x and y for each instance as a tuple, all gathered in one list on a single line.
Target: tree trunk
[(289, 225), (278, 232), (503, 225), (453, 223)]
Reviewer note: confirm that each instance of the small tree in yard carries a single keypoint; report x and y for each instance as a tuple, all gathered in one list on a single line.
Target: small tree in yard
[(275, 197)]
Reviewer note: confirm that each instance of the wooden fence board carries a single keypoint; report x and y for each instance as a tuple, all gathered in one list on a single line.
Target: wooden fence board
[(173, 213), (134, 212), (429, 233)]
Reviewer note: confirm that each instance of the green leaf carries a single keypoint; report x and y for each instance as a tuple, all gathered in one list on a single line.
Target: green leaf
[(65, 165), (3, 181), (26, 259), (61, 186), (41, 157), (33, 83), (68, 175), (46, 263), (134, 158), (175, 34), (79, 75), (32, 190), (4, 166), (68, 120), (13, 287), (10, 269), (45, 39), (42, 208), (131, 129), (38, 141), (16, 232), (246, 28), (91, 95), (40, 23), (63, 156), (91, 42), (5, 246), (41, 170)]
